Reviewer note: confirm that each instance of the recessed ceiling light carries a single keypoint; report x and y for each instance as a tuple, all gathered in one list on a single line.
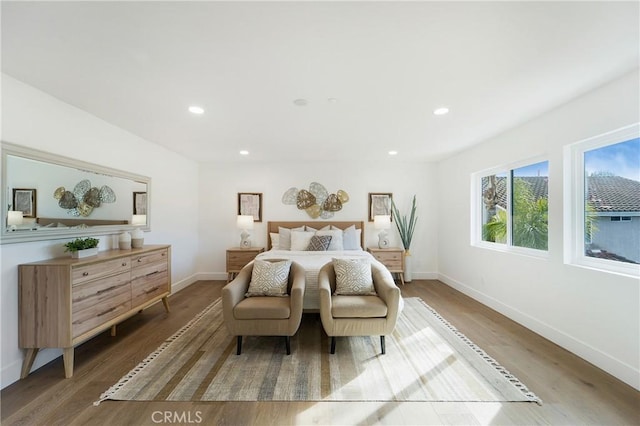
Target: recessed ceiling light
[(393, 152), (441, 111), (244, 152), (196, 109), (300, 102)]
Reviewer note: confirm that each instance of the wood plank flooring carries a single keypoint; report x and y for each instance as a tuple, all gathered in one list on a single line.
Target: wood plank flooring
[(574, 392)]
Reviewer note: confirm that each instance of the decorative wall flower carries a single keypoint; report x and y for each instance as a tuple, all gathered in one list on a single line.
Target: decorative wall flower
[(316, 201), (84, 198)]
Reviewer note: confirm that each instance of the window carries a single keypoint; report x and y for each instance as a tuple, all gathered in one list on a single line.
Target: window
[(602, 215), (513, 208)]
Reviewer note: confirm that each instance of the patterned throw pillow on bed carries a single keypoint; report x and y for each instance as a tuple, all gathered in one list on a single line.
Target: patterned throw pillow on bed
[(353, 277), (269, 278), (319, 243)]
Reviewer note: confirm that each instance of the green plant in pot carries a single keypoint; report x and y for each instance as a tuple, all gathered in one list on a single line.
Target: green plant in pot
[(406, 227), (77, 246)]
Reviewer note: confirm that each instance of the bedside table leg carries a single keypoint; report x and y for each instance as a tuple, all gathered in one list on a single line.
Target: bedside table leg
[(67, 357), (27, 362), (401, 275)]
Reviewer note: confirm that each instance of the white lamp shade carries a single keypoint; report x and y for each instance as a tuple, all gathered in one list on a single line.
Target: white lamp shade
[(382, 221), (245, 222), (14, 217), (139, 219)]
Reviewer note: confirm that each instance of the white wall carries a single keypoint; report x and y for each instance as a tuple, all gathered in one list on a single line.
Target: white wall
[(34, 119), (591, 313), (220, 184)]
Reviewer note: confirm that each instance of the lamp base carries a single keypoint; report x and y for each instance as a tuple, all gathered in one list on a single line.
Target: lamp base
[(383, 240), (245, 241)]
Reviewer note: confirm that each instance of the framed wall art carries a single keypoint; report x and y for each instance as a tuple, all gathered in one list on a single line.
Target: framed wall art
[(24, 200), (379, 203), (250, 203), (139, 203)]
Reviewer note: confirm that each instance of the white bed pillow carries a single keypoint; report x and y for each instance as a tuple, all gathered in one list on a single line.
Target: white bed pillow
[(351, 238), (336, 239), (285, 237), (300, 240), (275, 240)]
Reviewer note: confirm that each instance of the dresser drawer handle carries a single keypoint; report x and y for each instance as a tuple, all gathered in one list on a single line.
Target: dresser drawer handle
[(106, 289), (106, 312), (85, 274), (139, 260), (152, 290), (124, 263), (152, 273)]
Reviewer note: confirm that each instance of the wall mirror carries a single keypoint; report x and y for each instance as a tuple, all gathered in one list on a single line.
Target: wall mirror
[(47, 196)]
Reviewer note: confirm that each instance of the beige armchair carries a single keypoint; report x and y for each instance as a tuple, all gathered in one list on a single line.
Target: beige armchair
[(263, 315), (359, 315)]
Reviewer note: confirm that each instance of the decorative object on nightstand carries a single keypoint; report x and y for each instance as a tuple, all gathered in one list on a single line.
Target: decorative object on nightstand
[(238, 257), (137, 236), (391, 257), (405, 229), (382, 222), (245, 222)]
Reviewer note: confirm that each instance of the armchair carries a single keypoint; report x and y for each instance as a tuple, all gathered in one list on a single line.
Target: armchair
[(355, 315), (263, 315)]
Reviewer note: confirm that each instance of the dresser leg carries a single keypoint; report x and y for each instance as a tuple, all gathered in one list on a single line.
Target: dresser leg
[(67, 356), (27, 363), (165, 302), (113, 330)]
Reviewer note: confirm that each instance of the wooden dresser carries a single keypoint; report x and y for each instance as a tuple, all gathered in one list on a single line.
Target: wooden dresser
[(64, 301)]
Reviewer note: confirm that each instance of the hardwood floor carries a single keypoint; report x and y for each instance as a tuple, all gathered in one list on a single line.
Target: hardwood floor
[(573, 391)]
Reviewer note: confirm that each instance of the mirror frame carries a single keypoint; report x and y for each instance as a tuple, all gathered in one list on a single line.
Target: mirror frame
[(7, 237)]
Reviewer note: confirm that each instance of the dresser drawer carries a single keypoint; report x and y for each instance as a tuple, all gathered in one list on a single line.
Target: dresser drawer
[(148, 287), (145, 269), (96, 293), (143, 260), (93, 271), (96, 314)]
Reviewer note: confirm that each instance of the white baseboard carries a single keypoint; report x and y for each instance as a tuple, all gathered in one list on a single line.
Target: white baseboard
[(619, 369)]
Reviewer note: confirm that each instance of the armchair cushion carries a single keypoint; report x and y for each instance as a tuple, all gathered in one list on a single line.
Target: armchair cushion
[(353, 277), (358, 307), (256, 308), (269, 278)]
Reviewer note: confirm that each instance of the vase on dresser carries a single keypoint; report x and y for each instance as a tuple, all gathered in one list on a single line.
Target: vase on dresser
[(407, 266)]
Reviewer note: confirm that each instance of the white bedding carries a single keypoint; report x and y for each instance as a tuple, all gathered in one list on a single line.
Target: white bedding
[(312, 261)]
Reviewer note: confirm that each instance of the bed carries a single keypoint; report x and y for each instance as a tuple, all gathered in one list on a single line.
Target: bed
[(312, 261)]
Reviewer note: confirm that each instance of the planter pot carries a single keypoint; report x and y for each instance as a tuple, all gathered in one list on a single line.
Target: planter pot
[(84, 253), (407, 267)]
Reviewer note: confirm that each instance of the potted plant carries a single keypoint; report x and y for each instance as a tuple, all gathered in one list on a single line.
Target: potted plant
[(405, 229), (82, 247)]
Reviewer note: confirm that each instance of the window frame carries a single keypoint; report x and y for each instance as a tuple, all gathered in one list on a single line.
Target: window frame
[(573, 217), (476, 208)]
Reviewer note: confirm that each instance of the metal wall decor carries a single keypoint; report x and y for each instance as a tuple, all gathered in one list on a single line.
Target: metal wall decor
[(84, 198), (316, 201)]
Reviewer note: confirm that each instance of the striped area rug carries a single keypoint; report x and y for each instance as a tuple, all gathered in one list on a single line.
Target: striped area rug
[(426, 359)]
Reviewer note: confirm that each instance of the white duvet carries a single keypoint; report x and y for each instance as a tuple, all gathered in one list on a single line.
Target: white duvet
[(312, 261)]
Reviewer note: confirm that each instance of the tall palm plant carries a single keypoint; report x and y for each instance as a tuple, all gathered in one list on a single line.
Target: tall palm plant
[(405, 226)]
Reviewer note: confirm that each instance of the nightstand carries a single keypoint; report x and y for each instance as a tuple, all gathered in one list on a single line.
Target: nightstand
[(392, 258), (238, 257)]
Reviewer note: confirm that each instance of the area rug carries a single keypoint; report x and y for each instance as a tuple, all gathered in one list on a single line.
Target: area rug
[(426, 359)]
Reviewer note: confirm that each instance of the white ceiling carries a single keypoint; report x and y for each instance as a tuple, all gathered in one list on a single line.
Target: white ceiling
[(139, 65)]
